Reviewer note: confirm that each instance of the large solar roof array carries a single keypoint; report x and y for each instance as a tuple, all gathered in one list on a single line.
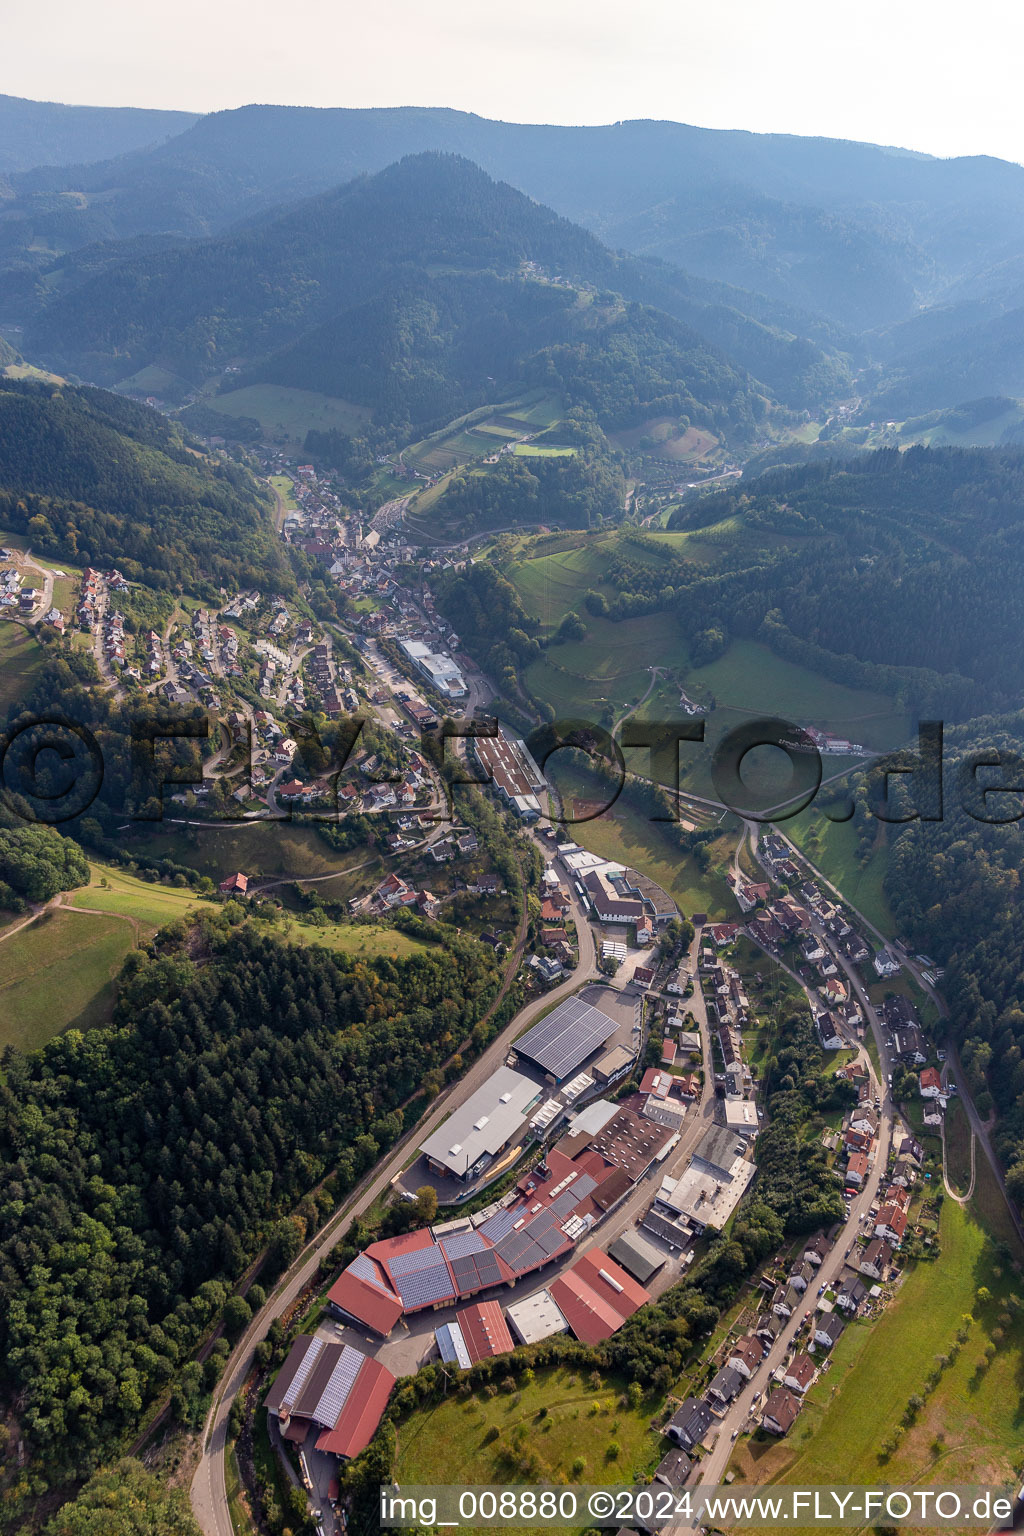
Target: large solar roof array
[(424, 1286), (420, 1258), (461, 1243), (339, 1385), (532, 1245), (496, 1226), (474, 1271), (304, 1370), (568, 1035), (364, 1268), (564, 1204)]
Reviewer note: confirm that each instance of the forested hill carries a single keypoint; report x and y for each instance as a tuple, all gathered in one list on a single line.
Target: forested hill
[(899, 570), (37, 133), (144, 1165), (858, 232), (102, 481), (955, 890), (418, 292)]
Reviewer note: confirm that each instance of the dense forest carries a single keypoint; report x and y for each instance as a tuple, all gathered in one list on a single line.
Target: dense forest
[(419, 292), (125, 1500), (98, 480), (144, 1164), (955, 889), (36, 863), (899, 571), (574, 491)]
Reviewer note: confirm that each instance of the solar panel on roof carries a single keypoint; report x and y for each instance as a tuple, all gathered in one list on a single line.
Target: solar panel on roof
[(498, 1225), (304, 1370), (568, 1035), (565, 1204), (551, 1240), (465, 1269), (412, 1263), (584, 1186), (339, 1385), (423, 1287), (461, 1243), (488, 1270)]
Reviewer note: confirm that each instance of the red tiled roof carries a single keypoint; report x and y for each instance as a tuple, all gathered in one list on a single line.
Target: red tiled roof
[(376, 1308), (362, 1412), (593, 1308), (484, 1330), (406, 1242)]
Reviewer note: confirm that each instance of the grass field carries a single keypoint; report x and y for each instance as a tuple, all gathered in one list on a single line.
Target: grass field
[(113, 890), (662, 438), (290, 413), (20, 660), (542, 451), (152, 906), (832, 846), (272, 849), (626, 836), (558, 1417), (970, 1429), (285, 488), (753, 680), (58, 974)]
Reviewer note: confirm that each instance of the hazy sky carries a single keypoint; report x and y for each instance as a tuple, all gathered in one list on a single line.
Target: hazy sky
[(929, 76)]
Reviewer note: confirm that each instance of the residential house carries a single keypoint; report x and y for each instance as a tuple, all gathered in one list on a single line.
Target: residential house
[(891, 1223), (827, 1026), (850, 1294), (863, 1118), (726, 1385), (689, 1424), (856, 1169), (875, 1259), (817, 1249), (746, 1355), (827, 1330), (800, 1372), (929, 1083), (780, 1411)]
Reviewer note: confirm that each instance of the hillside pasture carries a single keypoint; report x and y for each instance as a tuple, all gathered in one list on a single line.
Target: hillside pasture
[(58, 973), (285, 413), (971, 1426), (21, 657)]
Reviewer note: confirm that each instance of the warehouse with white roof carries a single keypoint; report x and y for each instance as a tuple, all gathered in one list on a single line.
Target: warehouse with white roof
[(478, 1130)]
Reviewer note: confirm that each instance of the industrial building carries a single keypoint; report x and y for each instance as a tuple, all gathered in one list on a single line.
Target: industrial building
[(709, 1189), (561, 1043), (477, 1131), (553, 1206), (439, 670), (637, 1255), (596, 1296), (538, 1317), (330, 1390), (511, 772)]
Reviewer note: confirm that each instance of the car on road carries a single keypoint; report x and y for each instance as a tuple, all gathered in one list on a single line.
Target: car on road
[(734, 1434)]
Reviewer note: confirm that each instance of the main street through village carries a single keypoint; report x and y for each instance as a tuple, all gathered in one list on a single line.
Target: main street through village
[(413, 1344)]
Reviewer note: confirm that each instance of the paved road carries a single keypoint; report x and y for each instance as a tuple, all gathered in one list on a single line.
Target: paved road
[(209, 1494), (954, 1066), (712, 1468)]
